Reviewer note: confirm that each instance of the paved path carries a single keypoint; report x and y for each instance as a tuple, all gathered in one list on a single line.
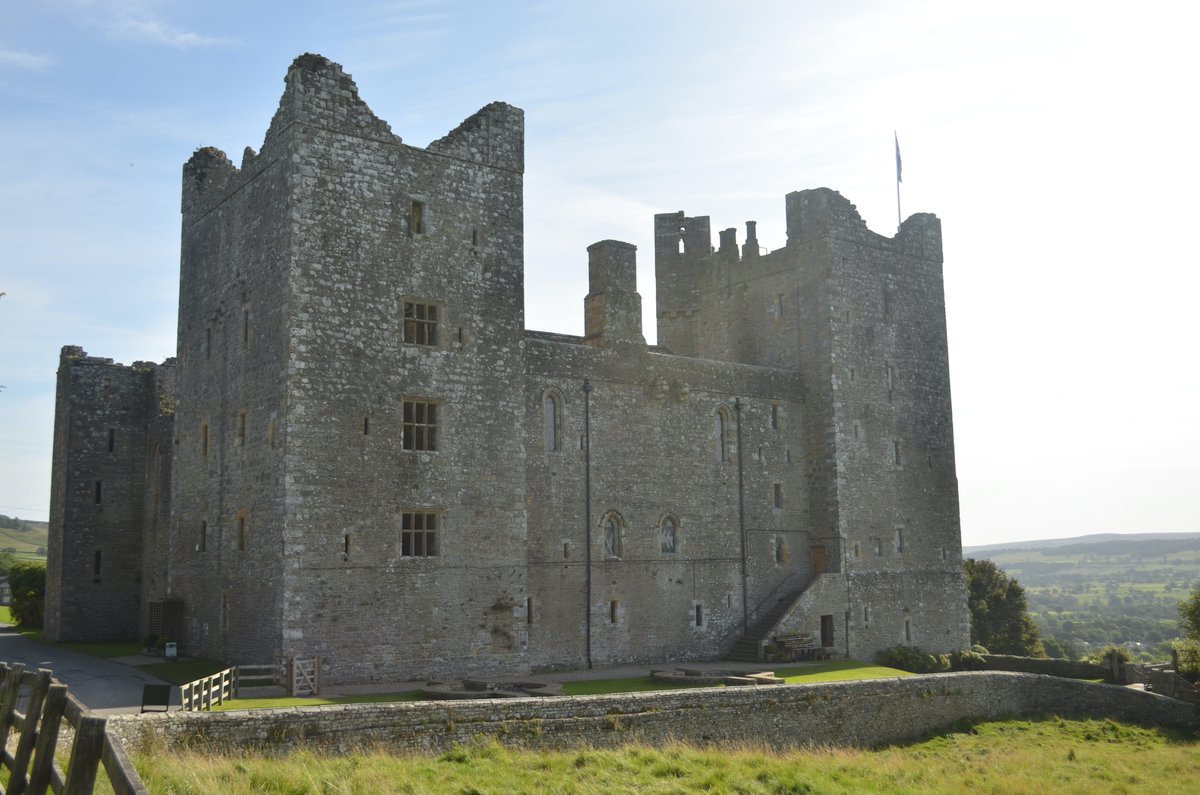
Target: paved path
[(105, 686)]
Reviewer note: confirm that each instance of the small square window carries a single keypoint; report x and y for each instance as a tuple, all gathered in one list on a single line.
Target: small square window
[(420, 323), (418, 534), (420, 425)]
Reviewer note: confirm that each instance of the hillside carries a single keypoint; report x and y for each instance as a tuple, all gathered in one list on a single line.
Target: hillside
[(22, 537), (1099, 589)]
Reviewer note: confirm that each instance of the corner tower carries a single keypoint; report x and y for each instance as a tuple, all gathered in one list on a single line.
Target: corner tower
[(346, 299)]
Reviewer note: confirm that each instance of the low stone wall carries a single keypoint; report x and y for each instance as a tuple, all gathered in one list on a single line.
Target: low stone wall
[(860, 713), (1072, 669)]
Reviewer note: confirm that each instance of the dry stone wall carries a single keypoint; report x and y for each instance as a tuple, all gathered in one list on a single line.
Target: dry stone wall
[(861, 713)]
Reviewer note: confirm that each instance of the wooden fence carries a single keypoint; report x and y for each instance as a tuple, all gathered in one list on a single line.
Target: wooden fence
[(31, 763), (200, 695)]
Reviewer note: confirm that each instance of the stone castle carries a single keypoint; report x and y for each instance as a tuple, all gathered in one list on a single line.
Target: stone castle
[(360, 453)]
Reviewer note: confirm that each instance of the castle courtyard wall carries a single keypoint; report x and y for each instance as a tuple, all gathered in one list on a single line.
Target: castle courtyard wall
[(859, 713)]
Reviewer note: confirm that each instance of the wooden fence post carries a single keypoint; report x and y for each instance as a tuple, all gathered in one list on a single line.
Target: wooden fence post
[(85, 756), (11, 687), (43, 757), (17, 779)]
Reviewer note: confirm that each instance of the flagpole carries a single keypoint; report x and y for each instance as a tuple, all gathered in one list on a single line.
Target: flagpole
[(899, 179)]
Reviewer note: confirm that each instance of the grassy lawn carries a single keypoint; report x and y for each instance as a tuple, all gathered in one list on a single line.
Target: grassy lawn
[(838, 670), (5, 615), (276, 703), (1052, 755)]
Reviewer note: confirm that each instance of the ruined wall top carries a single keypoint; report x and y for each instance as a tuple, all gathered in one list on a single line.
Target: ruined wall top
[(822, 212), (320, 93)]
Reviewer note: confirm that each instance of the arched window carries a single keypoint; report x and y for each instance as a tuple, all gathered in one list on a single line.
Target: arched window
[(668, 534), (550, 421), (721, 434), (614, 529)]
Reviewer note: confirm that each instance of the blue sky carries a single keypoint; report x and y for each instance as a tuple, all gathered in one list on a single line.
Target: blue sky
[(1056, 140)]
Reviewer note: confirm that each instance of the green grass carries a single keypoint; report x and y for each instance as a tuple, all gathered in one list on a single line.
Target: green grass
[(792, 674), (315, 701), (6, 615), (1017, 757)]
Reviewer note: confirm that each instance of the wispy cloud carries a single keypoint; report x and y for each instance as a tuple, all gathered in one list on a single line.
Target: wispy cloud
[(24, 60), (149, 30)]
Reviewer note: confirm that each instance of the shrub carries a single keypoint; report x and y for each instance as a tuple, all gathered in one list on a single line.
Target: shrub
[(27, 580), (967, 660), (1187, 652), (912, 659)]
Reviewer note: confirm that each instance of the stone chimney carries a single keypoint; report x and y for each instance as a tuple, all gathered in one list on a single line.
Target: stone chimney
[(612, 310)]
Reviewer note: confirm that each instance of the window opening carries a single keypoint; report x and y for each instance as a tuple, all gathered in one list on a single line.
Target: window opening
[(96, 564), (204, 439), (774, 416), (612, 611), (208, 343), (346, 545), (908, 630), (420, 425), (899, 540), (416, 218), (420, 323), (529, 610), (99, 491), (668, 535), (779, 306), (777, 495), (366, 426), (202, 541), (112, 439), (224, 612), (241, 430), (721, 431), (699, 615), (778, 549), (241, 533), (877, 543), (895, 452), (612, 536), (418, 534), (866, 614), (245, 329), (566, 550), (550, 423)]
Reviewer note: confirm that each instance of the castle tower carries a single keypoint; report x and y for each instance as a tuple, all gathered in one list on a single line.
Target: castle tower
[(105, 494), (345, 300)]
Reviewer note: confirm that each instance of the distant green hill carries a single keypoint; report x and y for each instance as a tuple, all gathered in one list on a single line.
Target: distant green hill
[(24, 538), (1094, 590)]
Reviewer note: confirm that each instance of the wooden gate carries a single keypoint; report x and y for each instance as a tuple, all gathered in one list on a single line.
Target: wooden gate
[(306, 677)]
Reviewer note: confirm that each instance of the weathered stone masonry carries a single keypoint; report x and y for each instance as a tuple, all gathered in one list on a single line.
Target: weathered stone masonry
[(373, 462), (862, 713)]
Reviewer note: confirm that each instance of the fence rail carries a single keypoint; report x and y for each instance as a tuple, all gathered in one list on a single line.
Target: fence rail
[(31, 763), (200, 695)]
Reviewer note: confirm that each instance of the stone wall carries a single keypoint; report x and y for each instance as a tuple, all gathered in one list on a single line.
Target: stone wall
[(860, 713), (1072, 669)]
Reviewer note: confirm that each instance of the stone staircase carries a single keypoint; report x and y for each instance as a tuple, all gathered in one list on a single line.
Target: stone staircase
[(747, 647)]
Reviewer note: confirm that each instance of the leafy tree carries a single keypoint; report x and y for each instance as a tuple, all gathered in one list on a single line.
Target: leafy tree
[(27, 580), (1189, 614), (999, 617)]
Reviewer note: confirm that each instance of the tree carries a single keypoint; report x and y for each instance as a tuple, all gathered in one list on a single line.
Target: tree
[(1189, 614), (999, 616), (27, 581)]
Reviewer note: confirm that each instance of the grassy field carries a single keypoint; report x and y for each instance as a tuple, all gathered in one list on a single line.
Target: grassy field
[(1018, 757), (25, 543)]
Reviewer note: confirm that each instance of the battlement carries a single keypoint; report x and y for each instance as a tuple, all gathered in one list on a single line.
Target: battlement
[(822, 212)]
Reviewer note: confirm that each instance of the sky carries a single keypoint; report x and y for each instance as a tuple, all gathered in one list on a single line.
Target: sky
[(1057, 141)]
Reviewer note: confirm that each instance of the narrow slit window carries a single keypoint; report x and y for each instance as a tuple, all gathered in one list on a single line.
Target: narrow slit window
[(896, 452), (241, 429), (245, 329), (550, 423), (777, 495), (668, 533), (99, 491), (529, 610), (346, 545), (204, 439), (774, 416), (899, 541), (699, 615), (112, 439), (202, 539), (908, 630), (566, 551), (366, 426), (416, 218), (612, 611), (96, 563), (721, 434), (208, 343), (241, 533)]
